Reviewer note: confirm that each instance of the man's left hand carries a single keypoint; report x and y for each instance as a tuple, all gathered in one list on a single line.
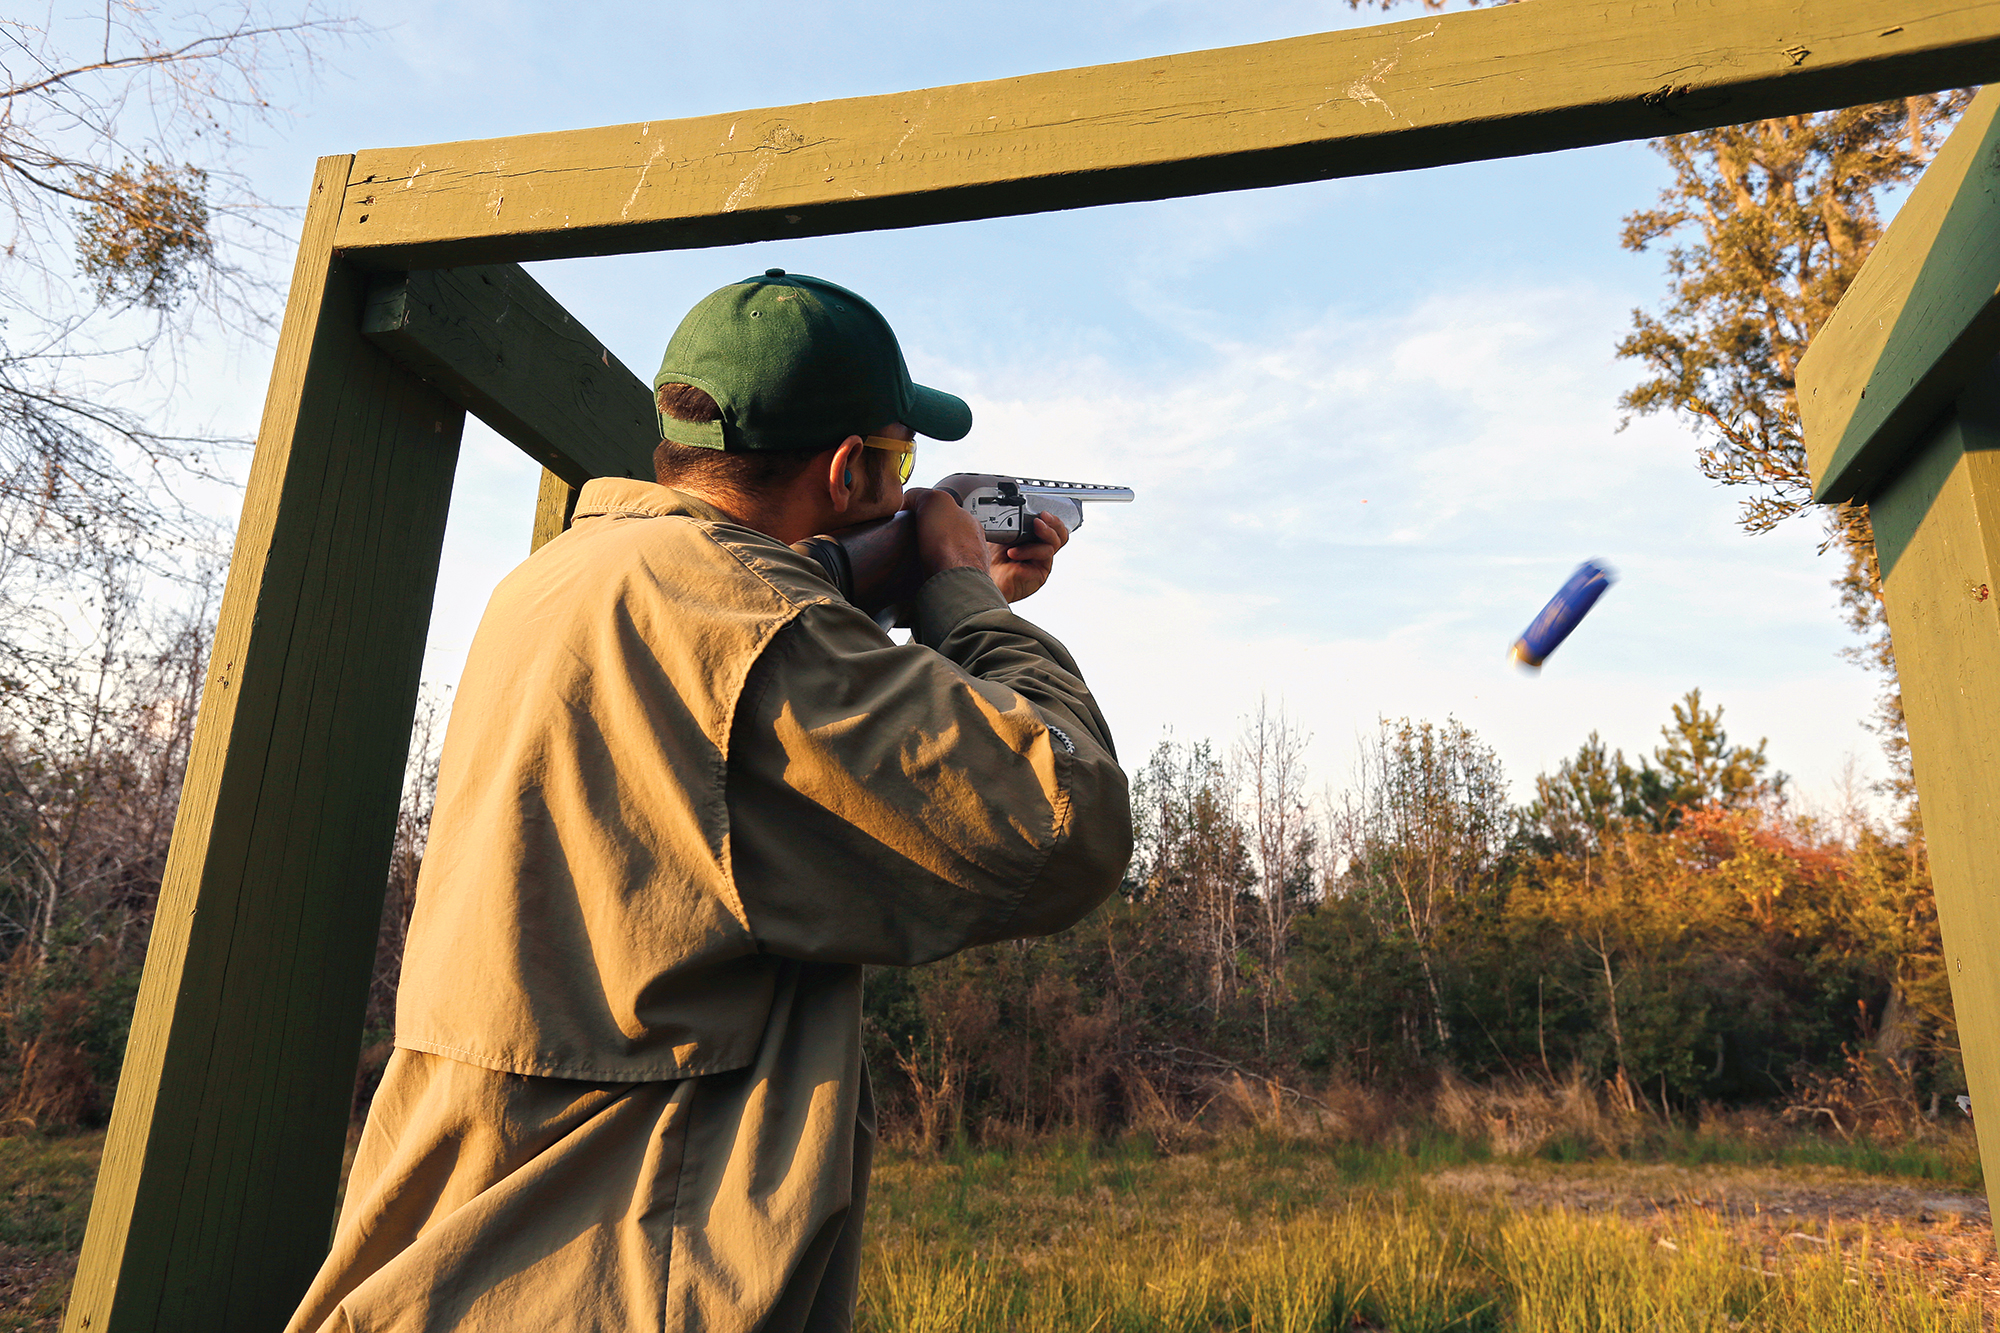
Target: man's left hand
[(1022, 570)]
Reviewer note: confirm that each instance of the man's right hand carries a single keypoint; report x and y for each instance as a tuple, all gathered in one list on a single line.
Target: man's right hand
[(947, 536)]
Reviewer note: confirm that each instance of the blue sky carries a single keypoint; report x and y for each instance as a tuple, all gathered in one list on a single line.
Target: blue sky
[(1372, 423)]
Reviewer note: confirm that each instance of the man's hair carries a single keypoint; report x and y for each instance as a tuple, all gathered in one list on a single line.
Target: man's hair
[(749, 470), (718, 469)]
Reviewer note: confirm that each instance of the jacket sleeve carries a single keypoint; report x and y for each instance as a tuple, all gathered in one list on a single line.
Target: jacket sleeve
[(895, 803)]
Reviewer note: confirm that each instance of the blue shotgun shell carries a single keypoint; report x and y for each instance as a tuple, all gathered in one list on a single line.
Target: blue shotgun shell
[(1564, 613)]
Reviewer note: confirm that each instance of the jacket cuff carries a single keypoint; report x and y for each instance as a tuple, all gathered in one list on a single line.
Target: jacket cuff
[(950, 597)]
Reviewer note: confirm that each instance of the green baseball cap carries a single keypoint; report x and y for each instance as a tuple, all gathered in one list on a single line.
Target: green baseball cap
[(796, 362)]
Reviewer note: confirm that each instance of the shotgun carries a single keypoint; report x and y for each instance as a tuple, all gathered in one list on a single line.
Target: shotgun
[(874, 565)]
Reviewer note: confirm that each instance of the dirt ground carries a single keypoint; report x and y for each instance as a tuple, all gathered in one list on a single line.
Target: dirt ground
[(32, 1288), (1945, 1235)]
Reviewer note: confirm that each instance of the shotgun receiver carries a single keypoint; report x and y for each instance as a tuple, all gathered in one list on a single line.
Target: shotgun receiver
[(1006, 506), (875, 564)]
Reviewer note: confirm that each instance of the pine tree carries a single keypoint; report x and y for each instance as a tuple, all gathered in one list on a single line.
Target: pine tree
[(1598, 791), (1700, 767)]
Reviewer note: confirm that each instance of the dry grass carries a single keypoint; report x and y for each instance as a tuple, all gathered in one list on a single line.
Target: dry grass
[(1337, 1209), (1520, 1118), (45, 1187), (1262, 1234)]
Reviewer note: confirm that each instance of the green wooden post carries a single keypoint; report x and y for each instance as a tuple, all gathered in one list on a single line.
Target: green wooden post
[(1900, 400), (219, 1177), (1937, 531), (491, 338)]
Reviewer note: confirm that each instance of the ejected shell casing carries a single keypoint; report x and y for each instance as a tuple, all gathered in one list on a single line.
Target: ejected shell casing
[(1564, 613)]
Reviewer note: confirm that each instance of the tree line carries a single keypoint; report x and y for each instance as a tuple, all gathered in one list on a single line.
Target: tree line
[(1666, 929)]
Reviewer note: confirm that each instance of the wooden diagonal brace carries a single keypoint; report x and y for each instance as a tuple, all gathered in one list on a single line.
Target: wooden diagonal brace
[(494, 340)]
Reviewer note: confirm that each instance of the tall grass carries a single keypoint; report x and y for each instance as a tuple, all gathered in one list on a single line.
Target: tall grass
[(1559, 1271), (1254, 1233), (1266, 1239), (1406, 1267)]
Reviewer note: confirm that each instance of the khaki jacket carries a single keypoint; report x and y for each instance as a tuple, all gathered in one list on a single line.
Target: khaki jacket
[(678, 758), (686, 792)]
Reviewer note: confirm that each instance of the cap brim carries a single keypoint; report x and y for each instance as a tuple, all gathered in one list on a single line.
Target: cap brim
[(940, 415)]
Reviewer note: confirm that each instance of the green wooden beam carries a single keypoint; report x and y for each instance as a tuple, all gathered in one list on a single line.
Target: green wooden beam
[(1922, 317), (1488, 83), (497, 343), (216, 1193), (1937, 530)]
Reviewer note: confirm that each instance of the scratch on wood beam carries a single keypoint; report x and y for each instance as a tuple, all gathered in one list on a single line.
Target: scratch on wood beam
[(659, 147), (914, 125), (748, 185), (1363, 90)]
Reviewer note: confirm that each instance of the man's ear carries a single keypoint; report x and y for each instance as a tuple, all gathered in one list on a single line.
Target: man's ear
[(846, 460)]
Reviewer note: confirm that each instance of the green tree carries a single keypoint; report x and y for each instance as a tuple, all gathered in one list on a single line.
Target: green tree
[(1599, 790), (1698, 765), (1420, 837), (1587, 796), (1360, 993), (1768, 225)]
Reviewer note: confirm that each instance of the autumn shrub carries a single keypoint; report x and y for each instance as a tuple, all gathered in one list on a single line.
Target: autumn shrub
[(63, 1022), (1520, 1117), (1657, 977), (1867, 1095)]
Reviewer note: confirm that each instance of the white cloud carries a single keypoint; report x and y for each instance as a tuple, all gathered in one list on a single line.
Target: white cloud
[(1481, 431), (1479, 428)]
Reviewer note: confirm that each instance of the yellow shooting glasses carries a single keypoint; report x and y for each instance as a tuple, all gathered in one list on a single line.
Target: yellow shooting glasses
[(907, 448)]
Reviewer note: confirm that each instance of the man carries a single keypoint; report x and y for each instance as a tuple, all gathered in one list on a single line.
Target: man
[(686, 793)]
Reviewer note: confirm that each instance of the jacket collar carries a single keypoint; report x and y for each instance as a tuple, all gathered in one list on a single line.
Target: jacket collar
[(625, 497)]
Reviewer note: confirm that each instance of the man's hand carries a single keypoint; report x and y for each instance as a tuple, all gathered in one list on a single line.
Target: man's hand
[(1022, 570), (947, 536)]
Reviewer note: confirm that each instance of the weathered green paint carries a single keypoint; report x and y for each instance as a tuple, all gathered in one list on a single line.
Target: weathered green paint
[(216, 1194), (493, 340), (1937, 529), (1922, 317), (1459, 87)]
